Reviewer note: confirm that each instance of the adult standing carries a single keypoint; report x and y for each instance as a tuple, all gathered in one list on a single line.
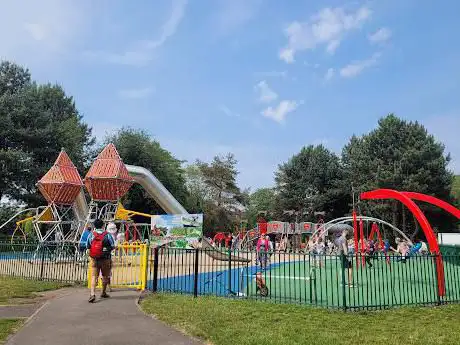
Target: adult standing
[(342, 247), (100, 244)]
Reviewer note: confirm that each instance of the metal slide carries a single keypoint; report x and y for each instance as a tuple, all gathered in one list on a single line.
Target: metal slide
[(156, 190), (165, 200)]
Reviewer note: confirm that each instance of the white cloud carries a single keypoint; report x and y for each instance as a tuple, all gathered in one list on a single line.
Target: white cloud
[(135, 93), (329, 74), (266, 95), (233, 14), (380, 36), (356, 67), (279, 113), (141, 53), (169, 28), (42, 32), (328, 27), (287, 54), (227, 111), (332, 46)]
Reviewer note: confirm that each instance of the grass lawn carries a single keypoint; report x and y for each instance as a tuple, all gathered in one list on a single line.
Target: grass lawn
[(11, 288), (8, 326), (224, 321)]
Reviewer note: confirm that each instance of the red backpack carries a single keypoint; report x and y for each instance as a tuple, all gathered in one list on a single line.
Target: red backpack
[(97, 245)]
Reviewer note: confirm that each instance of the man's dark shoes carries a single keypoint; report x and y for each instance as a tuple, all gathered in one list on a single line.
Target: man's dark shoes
[(104, 295)]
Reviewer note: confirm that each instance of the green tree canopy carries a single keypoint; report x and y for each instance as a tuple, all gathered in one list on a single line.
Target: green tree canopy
[(223, 200), (399, 155), (37, 121), (262, 200), (311, 181), (456, 189), (136, 147)]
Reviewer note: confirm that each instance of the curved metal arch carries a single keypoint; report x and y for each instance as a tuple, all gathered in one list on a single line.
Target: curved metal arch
[(17, 214), (412, 206), (347, 219), (422, 220), (371, 219), (434, 201)]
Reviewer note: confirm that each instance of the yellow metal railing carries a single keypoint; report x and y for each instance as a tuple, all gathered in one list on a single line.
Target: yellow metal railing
[(129, 267)]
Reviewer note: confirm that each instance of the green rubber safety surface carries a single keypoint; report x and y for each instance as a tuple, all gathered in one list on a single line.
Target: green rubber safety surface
[(325, 283)]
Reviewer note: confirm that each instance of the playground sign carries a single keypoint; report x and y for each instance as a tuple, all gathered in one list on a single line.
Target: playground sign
[(182, 229)]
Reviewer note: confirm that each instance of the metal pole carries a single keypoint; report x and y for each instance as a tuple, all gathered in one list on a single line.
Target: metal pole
[(195, 282), (155, 269), (42, 262), (344, 290)]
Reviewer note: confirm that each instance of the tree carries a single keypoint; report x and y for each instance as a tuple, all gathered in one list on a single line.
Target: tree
[(224, 201), (136, 147), (311, 181), (456, 189), (263, 199), (37, 121), (399, 155), (13, 78), (198, 192), (220, 177)]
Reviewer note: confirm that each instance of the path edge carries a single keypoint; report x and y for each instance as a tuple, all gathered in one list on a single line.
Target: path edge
[(29, 319), (146, 293)]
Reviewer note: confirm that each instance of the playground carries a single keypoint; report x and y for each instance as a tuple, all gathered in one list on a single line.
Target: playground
[(353, 262)]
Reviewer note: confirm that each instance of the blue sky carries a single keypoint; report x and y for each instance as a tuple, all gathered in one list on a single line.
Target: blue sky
[(260, 78)]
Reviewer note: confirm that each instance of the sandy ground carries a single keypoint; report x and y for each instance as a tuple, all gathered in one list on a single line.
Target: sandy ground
[(128, 269)]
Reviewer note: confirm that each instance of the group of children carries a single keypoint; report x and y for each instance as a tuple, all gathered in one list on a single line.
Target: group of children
[(318, 246)]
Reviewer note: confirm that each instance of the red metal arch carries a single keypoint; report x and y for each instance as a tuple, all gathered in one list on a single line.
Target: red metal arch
[(412, 206), (434, 201), (424, 224)]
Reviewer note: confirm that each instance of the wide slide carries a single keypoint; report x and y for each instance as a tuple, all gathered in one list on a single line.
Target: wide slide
[(165, 200), (220, 255)]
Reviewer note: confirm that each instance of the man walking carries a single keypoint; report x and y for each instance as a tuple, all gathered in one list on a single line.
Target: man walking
[(100, 244)]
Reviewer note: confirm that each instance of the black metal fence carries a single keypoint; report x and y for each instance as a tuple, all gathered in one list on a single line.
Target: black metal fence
[(51, 261), (330, 281)]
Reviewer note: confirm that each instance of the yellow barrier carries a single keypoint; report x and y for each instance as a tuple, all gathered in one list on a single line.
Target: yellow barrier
[(129, 267)]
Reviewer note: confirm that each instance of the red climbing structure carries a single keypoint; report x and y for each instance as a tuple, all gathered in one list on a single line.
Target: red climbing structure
[(108, 179), (62, 183), (376, 231)]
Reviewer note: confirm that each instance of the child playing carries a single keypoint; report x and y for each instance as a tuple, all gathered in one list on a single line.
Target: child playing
[(402, 248), (319, 250)]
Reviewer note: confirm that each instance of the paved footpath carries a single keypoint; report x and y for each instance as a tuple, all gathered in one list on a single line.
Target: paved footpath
[(70, 320)]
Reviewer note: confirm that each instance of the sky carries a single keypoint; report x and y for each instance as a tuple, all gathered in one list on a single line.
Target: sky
[(259, 78)]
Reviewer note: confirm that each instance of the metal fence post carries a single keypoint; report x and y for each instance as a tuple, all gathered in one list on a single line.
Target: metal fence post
[(436, 258), (155, 270), (195, 276), (42, 263), (229, 269), (344, 290)]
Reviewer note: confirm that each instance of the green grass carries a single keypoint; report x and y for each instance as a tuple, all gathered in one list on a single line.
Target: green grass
[(11, 288), (8, 326), (224, 321)]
